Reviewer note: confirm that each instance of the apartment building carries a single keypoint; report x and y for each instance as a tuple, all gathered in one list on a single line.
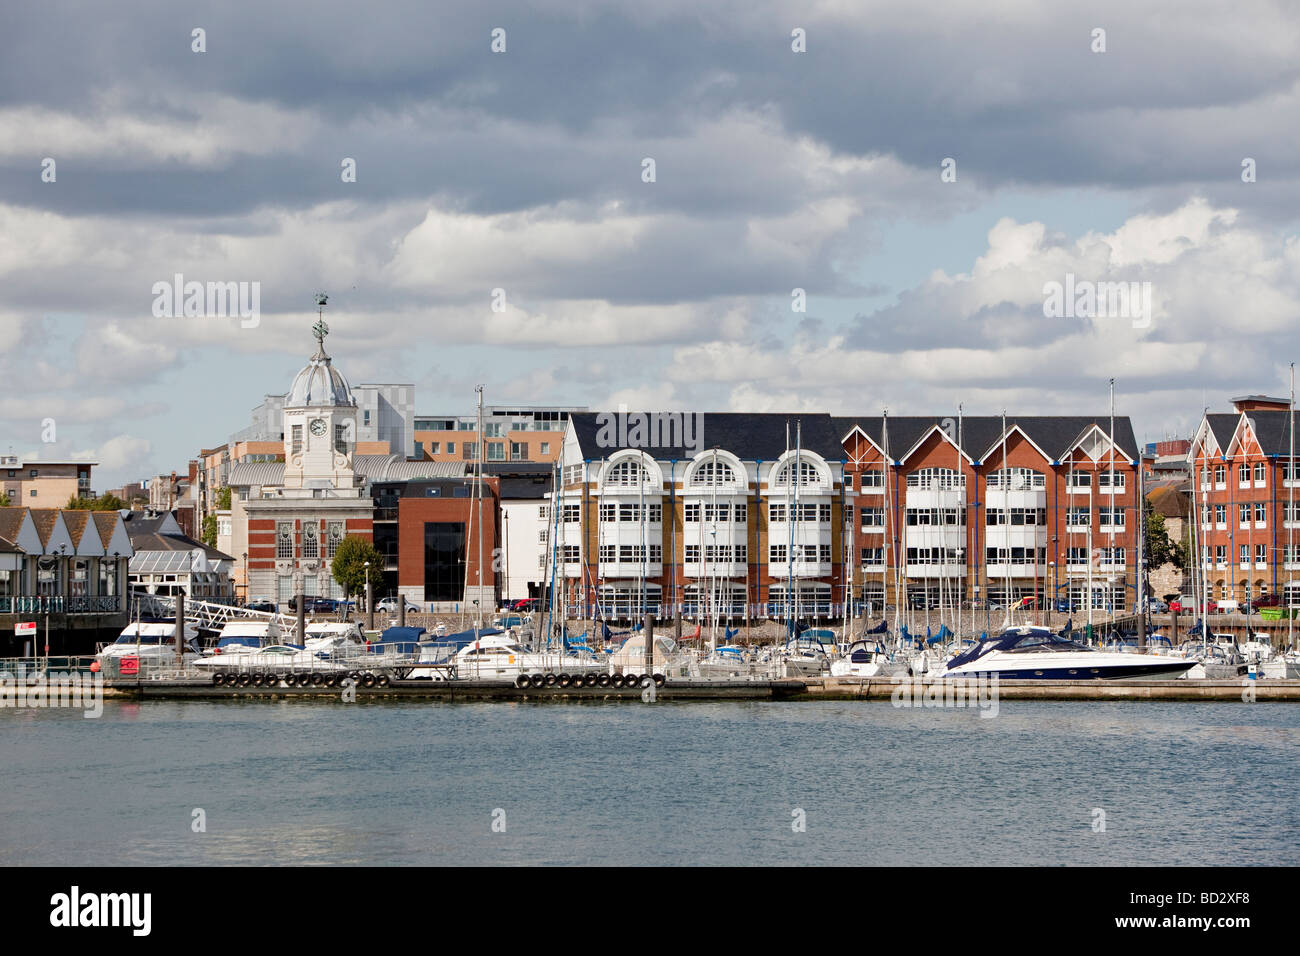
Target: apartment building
[(44, 483), (1244, 491), (511, 433)]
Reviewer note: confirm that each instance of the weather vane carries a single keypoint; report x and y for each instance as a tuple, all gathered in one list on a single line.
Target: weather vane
[(320, 329)]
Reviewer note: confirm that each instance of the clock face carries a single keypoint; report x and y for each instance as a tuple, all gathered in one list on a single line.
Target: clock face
[(318, 427)]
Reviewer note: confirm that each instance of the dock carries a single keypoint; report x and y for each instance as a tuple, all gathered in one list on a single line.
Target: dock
[(804, 689)]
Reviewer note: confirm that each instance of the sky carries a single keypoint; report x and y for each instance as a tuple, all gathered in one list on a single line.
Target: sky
[(923, 173)]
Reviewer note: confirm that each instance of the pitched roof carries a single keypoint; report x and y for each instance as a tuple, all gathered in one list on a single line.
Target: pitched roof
[(45, 519), (1054, 434), (750, 436), (1167, 501), (11, 520)]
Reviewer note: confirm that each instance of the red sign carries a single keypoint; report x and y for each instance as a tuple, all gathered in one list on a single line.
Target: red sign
[(130, 666), (25, 629)]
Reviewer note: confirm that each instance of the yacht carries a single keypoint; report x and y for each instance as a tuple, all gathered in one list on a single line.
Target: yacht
[(499, 655), (242, 636), (153, 642), (866, 659), (1038, 653)]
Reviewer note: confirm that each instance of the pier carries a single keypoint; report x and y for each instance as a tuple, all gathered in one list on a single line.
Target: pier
[(804, 689)]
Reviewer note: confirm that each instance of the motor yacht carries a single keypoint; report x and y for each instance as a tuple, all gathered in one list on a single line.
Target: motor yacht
[(152, 642), (1038, 653)]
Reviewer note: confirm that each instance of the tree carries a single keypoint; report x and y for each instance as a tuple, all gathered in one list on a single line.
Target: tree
[(104, 502), (4, 500), (209, 535), (1160, 548), (223, 498), (349, 565)]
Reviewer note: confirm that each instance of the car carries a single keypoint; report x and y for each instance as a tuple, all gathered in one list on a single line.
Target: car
[(261, 606), (1262, 600), (1065, 606), (1189, 605), (525, 604), (389, 606)]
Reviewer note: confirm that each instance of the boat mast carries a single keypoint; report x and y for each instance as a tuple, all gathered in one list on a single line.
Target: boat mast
[(1006, 517), (478, 498), (961, 525), (713, 565), (1290, 525), (1110, 551)]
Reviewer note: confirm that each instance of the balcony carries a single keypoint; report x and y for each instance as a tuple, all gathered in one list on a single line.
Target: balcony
[(59, 604)]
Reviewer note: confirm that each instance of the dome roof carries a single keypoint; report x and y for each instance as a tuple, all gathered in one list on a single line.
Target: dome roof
[(319, 383)]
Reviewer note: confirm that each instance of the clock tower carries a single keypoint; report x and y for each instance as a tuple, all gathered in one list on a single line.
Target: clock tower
[(320, 423)]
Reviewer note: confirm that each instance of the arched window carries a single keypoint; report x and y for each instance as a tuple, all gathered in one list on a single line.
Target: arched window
[(808, 474), (627, 473), (712, 473)]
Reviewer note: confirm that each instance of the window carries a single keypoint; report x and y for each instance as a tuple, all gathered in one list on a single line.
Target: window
[(571, 514), (334, 538), (608, 512), (419, 449), (1219, 474), (692, 554), (284, 539), (873, 557), (468, 450), (740, 513), (824, 513), (1243, 475), (296, 442), (433, 447), (546, 448), (608, 552), (1261, 514), (1261, 554), (570, 554), (1104, 480), (1017, 479), (1243, 514), (1259, 474), (1080, 479), (775, 513), (310, 544), (1245, 555), (1221, 514), (1078, 517), (1221, 555), (365, 417), (776, 554), (518, 450), (1076, 557), (807, 474), (713, 472), (451, 448), (848, 481), (340, 439), (936, 479), (873, 517), (872, 479), (691, 513), (494, 430), (1110, 517), (32, 493), (542, 512), (496, 451)]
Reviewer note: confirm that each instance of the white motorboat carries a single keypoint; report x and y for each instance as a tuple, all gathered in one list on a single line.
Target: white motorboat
[(1038, 653), (243, 636), (152, 642), (500, 656), (863, 659), (277, 659)]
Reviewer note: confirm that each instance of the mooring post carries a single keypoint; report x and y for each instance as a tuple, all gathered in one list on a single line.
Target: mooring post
[(401, 610), (649, 629), (180, 628), (370, 603), (302, 617)]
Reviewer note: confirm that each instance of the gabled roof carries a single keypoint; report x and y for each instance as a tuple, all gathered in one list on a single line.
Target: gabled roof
[(1053, 435), (924, 437), (112, 532)]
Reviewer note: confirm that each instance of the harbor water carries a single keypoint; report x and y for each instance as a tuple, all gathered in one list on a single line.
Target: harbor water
[(861, 783)]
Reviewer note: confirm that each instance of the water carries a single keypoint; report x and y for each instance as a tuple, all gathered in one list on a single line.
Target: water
[(418, 783)]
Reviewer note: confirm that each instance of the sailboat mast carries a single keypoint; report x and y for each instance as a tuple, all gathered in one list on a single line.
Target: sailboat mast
[(1290, 525), (961, 525), (1006, 518), (478, 499), (1110, 553)]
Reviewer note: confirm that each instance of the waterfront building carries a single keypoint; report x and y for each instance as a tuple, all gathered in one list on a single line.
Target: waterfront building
[(511, 434), (66, 570), (44, 483), (966, 511), (167, 562), (1243, 483)]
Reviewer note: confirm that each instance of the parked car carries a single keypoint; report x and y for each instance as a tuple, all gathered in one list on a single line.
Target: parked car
[(389, 606), (1065, 606), (262, 606), (526, 604), (1262, 600), (1189, 605)]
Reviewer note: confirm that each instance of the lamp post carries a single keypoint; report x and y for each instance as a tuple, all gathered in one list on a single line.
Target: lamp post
[(245, 577)]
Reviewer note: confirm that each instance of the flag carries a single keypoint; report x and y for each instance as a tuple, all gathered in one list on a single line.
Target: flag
[(730, 634)]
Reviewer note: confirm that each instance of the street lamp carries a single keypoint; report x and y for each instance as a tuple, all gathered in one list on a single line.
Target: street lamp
[(370, 607), (245, 577)]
